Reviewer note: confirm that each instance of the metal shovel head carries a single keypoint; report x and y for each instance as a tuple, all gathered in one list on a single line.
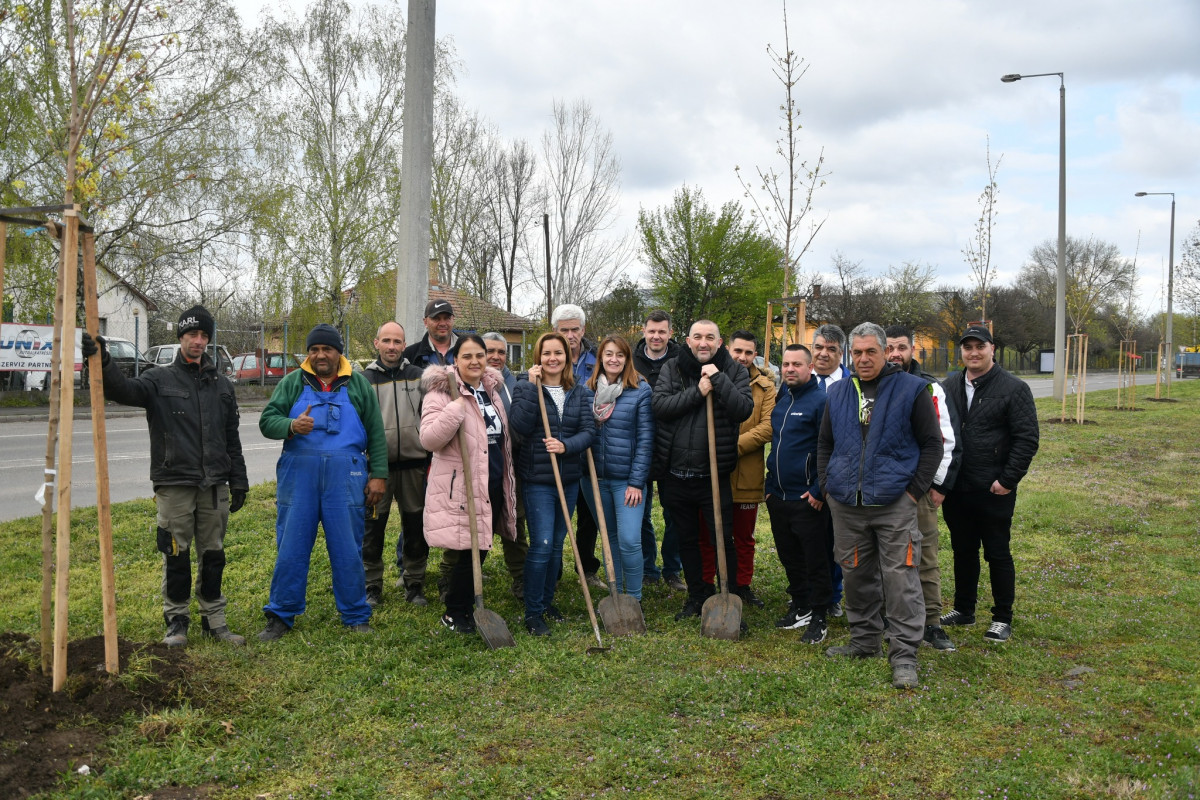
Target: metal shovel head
[(493, 630), (621, 615), (721, 617)]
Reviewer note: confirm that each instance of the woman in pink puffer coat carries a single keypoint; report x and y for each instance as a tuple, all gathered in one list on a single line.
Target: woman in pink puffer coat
[(466, 395)]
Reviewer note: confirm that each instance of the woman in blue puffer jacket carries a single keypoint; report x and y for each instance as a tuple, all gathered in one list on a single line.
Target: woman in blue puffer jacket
[(622, 451)]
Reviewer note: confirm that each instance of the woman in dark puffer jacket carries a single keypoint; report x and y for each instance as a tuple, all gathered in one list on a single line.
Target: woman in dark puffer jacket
[(622, 451)]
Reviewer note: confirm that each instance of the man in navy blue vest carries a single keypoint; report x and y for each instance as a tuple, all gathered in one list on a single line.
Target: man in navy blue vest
[(877, 453)]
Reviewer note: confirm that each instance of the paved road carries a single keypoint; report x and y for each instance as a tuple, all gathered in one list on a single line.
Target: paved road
[(1043, 386), (24, 448)]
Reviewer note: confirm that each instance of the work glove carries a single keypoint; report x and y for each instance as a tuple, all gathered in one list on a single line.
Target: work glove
[(237, 499), (89, 347)]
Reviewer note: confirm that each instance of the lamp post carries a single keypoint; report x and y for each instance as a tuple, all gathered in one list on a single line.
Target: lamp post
[(1168, 347), (1060, 294)]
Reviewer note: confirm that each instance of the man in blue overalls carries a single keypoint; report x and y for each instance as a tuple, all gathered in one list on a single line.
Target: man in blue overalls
[(334, 465)]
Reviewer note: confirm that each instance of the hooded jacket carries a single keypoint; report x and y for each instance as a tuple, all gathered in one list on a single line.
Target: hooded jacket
[(446, 521), (681, 437), (398, 391), (753, 437), (192, 413)]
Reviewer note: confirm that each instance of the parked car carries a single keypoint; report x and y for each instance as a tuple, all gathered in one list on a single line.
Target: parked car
[(776, 376), (125, 355), (163, 354), (268, 370)]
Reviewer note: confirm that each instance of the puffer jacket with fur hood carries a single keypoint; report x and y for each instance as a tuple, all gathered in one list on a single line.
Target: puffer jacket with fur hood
[(446, 521)]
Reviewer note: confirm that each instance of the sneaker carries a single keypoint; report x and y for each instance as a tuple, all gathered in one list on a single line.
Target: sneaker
[(222, 634), (361, 627), (850, 651), (415, 594), (936, 638), (998, 632), (460, 624), (594, 581), (675, 583), (816, 631), (794, 618), (837, 609), (748, 596), (691, 608), (537, 626), (904, 676), (374, 596), (177, 630), (957, 617), (274, 630)]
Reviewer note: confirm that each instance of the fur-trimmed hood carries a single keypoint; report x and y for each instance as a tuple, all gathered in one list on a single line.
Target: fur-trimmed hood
[(436, 378)]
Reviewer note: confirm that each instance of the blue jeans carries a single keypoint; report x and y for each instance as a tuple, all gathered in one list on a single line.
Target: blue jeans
[(624, 525), (672, 564), (547, 532)]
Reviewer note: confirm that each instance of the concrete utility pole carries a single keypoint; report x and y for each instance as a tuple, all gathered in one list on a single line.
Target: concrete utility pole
[(416, 169)]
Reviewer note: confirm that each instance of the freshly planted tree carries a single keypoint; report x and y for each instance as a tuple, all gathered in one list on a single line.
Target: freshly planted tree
[(978, 250)]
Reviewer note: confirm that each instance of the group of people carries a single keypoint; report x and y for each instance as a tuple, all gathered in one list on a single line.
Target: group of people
[(859, 462)]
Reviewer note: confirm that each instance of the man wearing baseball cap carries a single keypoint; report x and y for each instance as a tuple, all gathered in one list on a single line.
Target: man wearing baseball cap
[(196, 466), (434, 346), (334, 464), (999, 429)]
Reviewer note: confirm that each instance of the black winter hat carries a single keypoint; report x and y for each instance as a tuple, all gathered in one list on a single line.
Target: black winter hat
[(326, 334), (196, 318)]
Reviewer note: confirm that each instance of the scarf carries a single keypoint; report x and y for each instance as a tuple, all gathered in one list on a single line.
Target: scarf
[(606, 397)]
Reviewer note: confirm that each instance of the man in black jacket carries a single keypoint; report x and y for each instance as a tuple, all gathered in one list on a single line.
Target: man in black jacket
[(655, 349), (434, 347), (397, 385), (999, 440), (681, 446), (196, 465)]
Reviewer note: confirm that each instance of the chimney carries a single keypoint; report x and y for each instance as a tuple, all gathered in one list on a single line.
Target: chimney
[(434, 279)]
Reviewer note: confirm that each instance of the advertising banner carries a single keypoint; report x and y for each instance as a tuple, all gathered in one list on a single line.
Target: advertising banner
[(27, 348)]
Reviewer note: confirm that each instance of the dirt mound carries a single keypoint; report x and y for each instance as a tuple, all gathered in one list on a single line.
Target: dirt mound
[(44, 734)]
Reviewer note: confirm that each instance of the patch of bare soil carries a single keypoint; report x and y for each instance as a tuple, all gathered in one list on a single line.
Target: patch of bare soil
[(44, 734)]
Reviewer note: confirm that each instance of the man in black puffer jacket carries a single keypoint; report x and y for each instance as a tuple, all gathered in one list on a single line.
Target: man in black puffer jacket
[(999, 440), (681, 446), (196, 466)]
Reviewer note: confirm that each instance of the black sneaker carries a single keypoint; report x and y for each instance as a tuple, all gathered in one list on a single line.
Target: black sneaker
[(537, 626), (374, 596), (459, 624), (957, 617), (177, 630), (936, 638), (794, 618), (691, 608), (275, 629), (748, 596), (998, 632), (816, 631), (552, 613)]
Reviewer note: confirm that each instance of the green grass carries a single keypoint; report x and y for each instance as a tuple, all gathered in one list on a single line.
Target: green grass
[(1108, 577)]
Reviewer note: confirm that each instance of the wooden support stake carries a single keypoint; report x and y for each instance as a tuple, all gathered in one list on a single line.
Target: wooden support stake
[(108, 592), (3, 255), (69, 265), (53, 380)]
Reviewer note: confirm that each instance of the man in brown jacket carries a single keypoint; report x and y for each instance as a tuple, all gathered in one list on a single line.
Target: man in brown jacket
[(749, 475)]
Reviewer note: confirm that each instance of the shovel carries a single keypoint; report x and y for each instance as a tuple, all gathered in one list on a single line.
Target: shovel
[(562, 499), (721, 615), (621, 613), (489, 624)]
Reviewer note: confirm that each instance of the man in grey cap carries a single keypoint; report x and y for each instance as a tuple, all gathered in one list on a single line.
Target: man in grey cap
[(434, 346), (196, 466), (999, 440)]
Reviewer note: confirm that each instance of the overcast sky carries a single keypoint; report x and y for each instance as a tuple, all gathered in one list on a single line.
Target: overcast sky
[(901, 96)]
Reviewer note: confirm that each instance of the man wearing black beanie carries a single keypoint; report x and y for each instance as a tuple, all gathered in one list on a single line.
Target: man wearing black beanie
[(196, 465), (334, 464)]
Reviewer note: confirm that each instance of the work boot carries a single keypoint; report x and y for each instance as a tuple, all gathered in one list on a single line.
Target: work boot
[(221, 633), (675, 582), (177, 628), (374, 595), (518, 588), (361, 627), (415, 594), (275, 629)]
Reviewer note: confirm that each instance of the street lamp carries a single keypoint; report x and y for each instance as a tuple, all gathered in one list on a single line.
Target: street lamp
[(1060, 294), (1169, 346)]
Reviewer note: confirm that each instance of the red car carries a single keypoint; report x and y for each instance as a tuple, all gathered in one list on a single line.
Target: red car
[(268, 370)]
